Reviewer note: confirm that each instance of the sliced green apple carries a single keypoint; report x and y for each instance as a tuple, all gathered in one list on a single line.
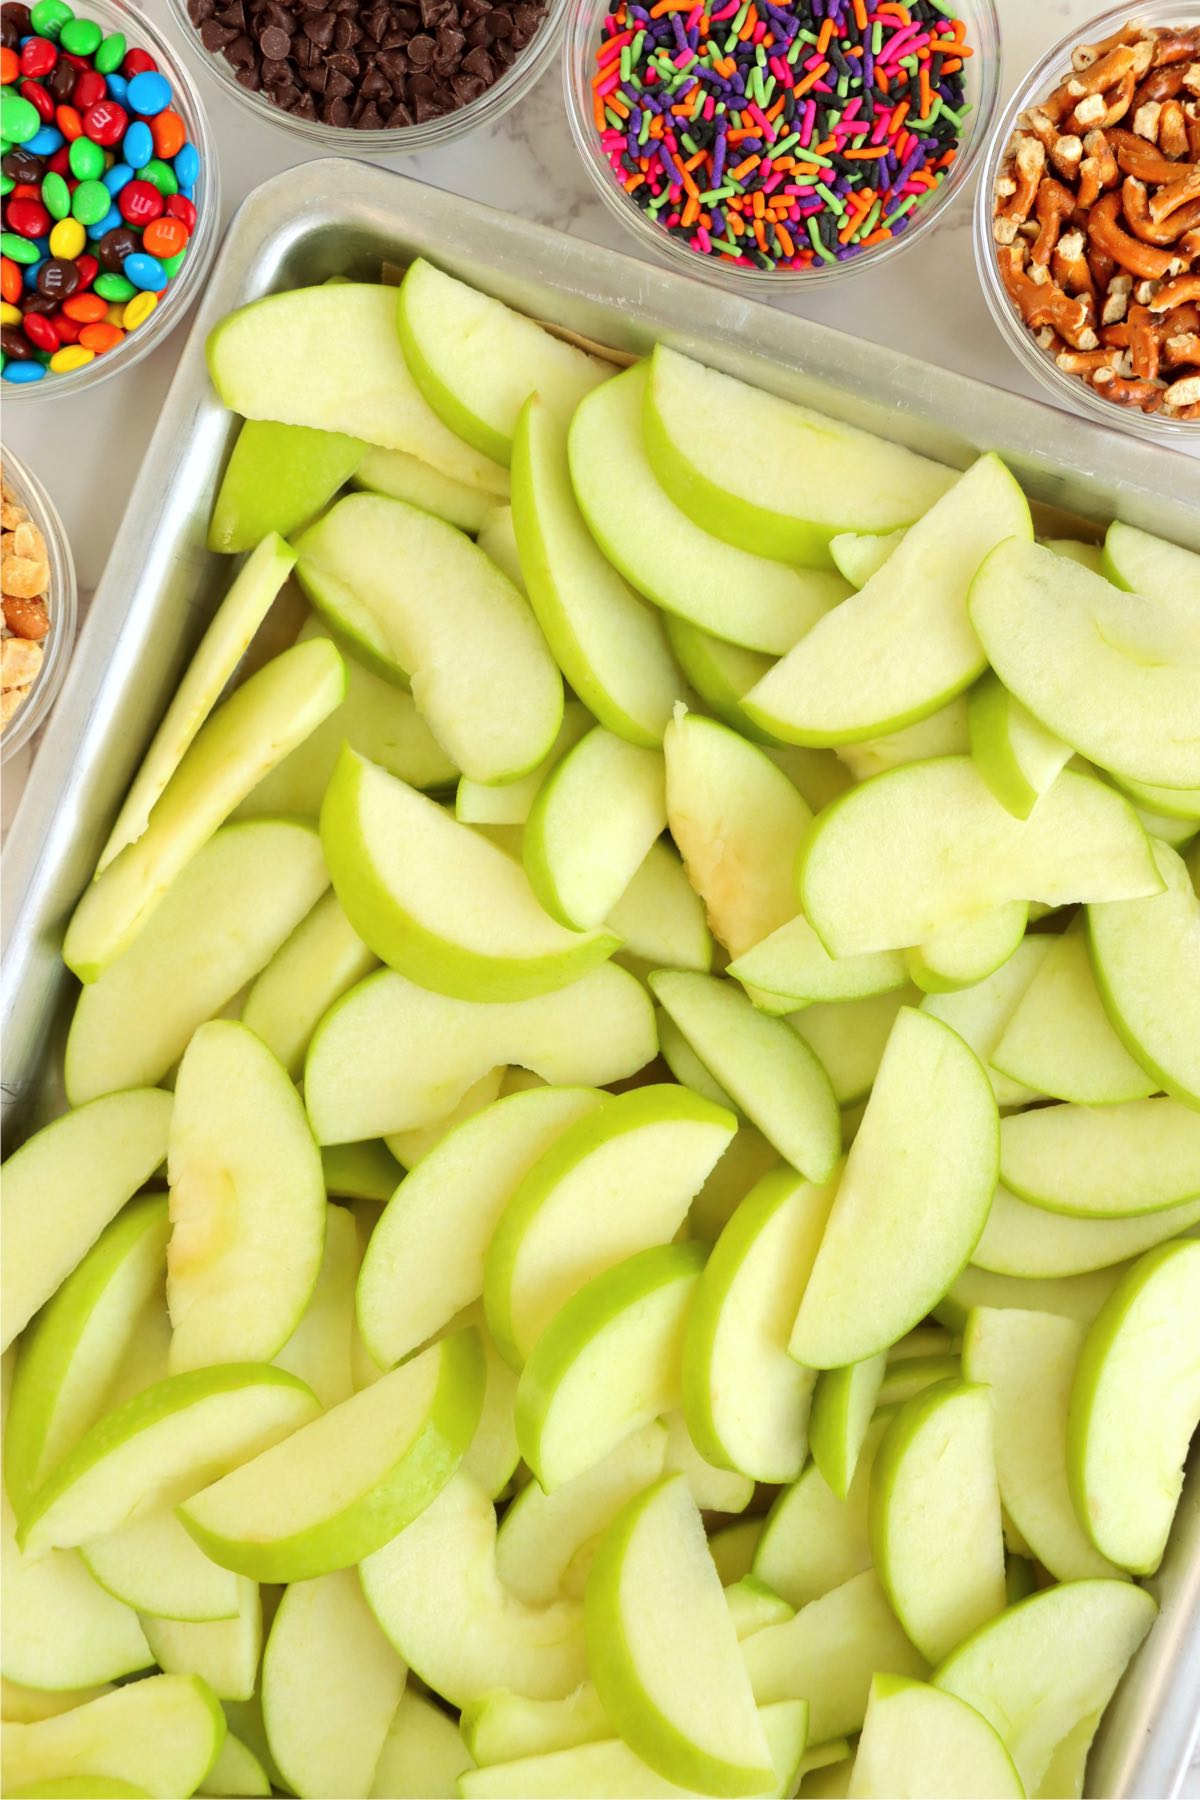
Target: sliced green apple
[(366, 1171), (928, 1142), (965, 954), (732, 1549), (719, 445), (278, 477), (158, 1736), (815, 1539), (981, 1014), (320, 1349), (390, 1056), (1028, 1360), (731, 593), (435, 1591), (1090, 555), (1134, 1406), (849, 1038), (1106, 1162), (858, 555), (220, 651), (237, 1771), (331, 1684), (1150, 565), (498, 540), (504, 1726), (618, 1180), (247, 1202), (1018, 758), (945, 732), (222, 919), (161, 1446), (919, 1742), (477, 361), (830, 1652), (402, 476), (746, 1161), (819, 776), (423, 1754), (771, 1074), (1047, 1663), (330, 357), (608, 643), (89, 1787), (426, 1257), (671, 1676), (903, 645), (1115, 675), (1180, 806), (927, 846), (509, 802), (1057, 1039), (753, 1606), (343, 1485), (436, 901), (1067, 1296), (245, 737), (224, 1653), (746, 1401), (493, 1453), (609, 1363), (843, 1403), (720, 672), (907, 1376), (1026, 1241), (72, 1352), (935, 1517), (714, 1489), (154, 1566), (660, 918), (793, 963), (410, 1147), (322, 959), (92, 1160), (1146, 954), (592, 825)]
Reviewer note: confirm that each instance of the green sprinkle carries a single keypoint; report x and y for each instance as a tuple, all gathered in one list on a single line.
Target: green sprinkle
[(635, 49), (715, 194), (817, 243), (730, 244), (876, 37), (626, 64), (689, 143), (905, 206), (867, 225), (785, 144), (948, 112), (843, 86), (830, 198)]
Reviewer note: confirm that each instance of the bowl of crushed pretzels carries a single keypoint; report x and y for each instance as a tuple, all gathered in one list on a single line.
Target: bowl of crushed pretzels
[(37, 576), (1087, 221)]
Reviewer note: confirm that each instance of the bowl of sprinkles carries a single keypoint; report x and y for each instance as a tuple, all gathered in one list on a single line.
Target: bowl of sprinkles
[(764, 142), (109, 204)]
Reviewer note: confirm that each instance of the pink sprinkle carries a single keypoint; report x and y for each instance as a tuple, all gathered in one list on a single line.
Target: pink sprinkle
[(759, 33), (780, 70), (726, 12), (810, 120), (775, 180), (610, 84), (703, 239), (881, 126), (814, 61), (710, 107)]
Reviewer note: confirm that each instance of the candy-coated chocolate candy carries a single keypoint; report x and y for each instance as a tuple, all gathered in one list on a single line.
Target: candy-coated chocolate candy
[(139, 310), (111, 218), (10, 279), (90, 202), (149, 92), (85, 309), (88, 269), (64, 362), (115, 246), (24, 190), (138, 147), (22, 373), (29, 217), (19, 121), (69, 122), (170, 133), (68, 238), (56, 196), (139, 203), (114, 287), (86, 160), (18, 248), (89, 88), (68, 329), (14, 343), (187, 166), (61, 80), (38, 57), (101, 337), (80, 36), (161, 175), (111, 53), (46, 141), (49, 16), (183, 209), (57, 278), (10, 64), (173, 264), (21, 163), (105, 122), (118, 87), (39, 98), (41, 333), (145, 272), (9, 314), (117, 177), (137, 62), (164, 238)]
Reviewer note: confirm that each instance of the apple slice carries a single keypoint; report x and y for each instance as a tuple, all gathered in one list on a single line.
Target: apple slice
[(426, 1257), (24, 1705), (92, 1160), (830, 1652), (1078, 1297), (319, 1349), (738, 822), (331, 1684), (945, 732), (247, 1202), (1029, 1242), (721, 674), (493, 1453), (746, 1401), (619, 1179), (793, 963), (849, 1038), (919, 1742), (390, 1056), (608, 643), (423, 1754), (659, 918), (161, 1446), (609, 1363), (906, 1377), (1135, 1403), (221, 649), (860, 554), (1177, 807), (237, 1771), (814, 1539), (843, 1404), (401, 476), (510, 802), (90, 1787), (221, 920), (965, 954), (477, 361), (1028, 1360), (498, 540), (1150, 565), (504, 1727), (714, 1489), (746, 1161), (410, 1147), (248, 735), (981, 1014), (155, 1567), (158, 1736), (438, 902), (732, 1549), (343, 1485), (771, 1074), (330, 357), (1107, 1162), (1090, 555), (435, 1591), (223, 1653), (72, 1352), (671, 1676), (1018, 758), (903, 645), (935, 1517), (680, 566), (322, 959), (1146, 954), (719, 445), (927, 1143), (1116, 676), (1047, 1663), (592, 825), (1058, 1040), (278, 477), (927, 846), (400, 585), (366, 1171)]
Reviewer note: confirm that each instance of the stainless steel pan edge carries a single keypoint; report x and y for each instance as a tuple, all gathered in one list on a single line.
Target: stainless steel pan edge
[(336, 217)]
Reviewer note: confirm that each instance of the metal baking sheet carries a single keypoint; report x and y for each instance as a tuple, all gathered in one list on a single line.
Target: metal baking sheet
[(339, 217)]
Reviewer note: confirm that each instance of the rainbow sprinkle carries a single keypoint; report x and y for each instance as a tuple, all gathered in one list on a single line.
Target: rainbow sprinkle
[(781, 136)]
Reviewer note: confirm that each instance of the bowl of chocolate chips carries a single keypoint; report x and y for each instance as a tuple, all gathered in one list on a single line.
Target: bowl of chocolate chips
[(376, 76)]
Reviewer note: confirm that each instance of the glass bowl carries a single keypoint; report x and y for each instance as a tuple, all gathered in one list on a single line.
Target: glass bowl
[(345, 140), (120, 15), (63, 606), (1068, 390), (982, 77)]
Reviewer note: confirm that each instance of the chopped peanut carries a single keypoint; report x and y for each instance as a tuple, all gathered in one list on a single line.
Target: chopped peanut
[(24, 606)]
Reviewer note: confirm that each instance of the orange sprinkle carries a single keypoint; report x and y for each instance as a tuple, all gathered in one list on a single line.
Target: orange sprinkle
[(760, 235), (758, 203), (952, 65), (633, 182), (926, 96), (748, 25), (810, 80), (881, 80), (867, 154), (691, 211), (860, 15), (878, 236), (898, 118), (743, 168), (693, 162), (743, 131), (785, 239), (823, 37), (896, 10)]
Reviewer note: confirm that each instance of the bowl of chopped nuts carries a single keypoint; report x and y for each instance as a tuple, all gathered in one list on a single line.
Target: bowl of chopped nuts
[(1087, 221), (37, 575)]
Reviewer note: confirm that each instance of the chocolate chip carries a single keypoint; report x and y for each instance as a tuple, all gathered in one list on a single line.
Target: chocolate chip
[(274, 43)]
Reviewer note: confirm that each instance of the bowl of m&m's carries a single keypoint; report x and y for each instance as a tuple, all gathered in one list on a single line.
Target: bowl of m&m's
[(109, 209), (771, 144)]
